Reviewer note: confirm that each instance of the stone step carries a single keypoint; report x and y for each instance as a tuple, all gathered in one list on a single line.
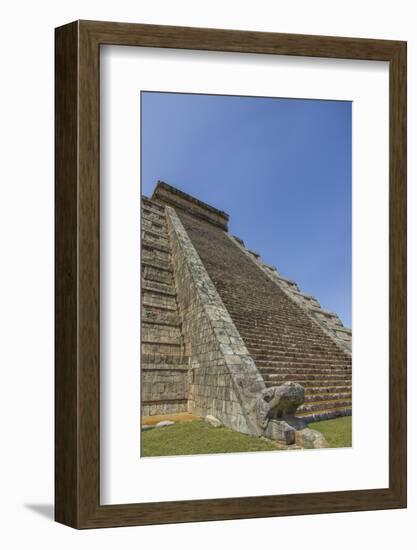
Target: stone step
[(294, 343), (295, 347), (325, 414), (288, 360), (274, 342), (282, 363), (152, 237), (327, 388), (276, 378), (158, 288), (280, 339), (316, 386), (271, 371), (323, 383), (159, 224), (174, 322), (162, 348), (163, 385), (331, 388), (154, 246), (327, 396), (151, 255), (159, 316), (307, 369), (163, 334), (153, 216), (149, 205), (154, 339), (156, 225), (152, 204), (158, 300), (282, 305), (160, 231), (324, 405), (157, 275), (155, 263), (277, 333), (291, 348), (260, 320), (272, 357)]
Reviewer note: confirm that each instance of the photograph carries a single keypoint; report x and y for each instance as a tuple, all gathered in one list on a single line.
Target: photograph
[(246, 274)]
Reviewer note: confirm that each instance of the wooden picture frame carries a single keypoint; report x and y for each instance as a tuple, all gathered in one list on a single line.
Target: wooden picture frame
[(77, 373)]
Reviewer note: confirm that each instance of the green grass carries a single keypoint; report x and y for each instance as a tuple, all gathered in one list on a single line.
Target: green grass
[(337, 431), (198, 437), (194, 438)]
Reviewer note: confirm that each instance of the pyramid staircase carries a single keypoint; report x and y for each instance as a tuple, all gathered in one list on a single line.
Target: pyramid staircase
[(164, 367), (285, 343)]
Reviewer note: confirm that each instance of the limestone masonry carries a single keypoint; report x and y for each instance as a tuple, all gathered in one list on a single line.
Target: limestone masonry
[(226, 335)]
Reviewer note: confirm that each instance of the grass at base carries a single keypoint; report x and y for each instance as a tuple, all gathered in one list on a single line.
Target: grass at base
[(198, 437), (337, 431), (195, 438)]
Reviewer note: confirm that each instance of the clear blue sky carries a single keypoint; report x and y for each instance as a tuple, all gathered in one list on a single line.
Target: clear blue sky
[(281, 168)]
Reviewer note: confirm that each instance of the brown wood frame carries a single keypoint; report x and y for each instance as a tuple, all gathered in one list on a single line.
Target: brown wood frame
[(77, 360)]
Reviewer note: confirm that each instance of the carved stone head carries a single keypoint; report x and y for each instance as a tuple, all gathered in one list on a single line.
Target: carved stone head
[(278, 402)]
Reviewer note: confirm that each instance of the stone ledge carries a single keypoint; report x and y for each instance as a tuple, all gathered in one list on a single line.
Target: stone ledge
[(304, 295), (147, 201), (149, 210), (286, 280), (155, 290), (151, 245), (269, 266), (151, 263), (344, 329), (325, 312), (178, 199)]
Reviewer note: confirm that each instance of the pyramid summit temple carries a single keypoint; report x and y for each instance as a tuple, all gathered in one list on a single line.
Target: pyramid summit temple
[(225, 334)]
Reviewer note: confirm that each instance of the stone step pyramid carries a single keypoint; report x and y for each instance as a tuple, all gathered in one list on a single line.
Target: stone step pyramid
[(221, 329)]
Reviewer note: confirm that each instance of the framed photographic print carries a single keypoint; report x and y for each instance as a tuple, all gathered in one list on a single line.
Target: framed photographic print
[(230, 274)]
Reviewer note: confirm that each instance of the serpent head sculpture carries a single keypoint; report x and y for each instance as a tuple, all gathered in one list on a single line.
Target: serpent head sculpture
[(279, 403)]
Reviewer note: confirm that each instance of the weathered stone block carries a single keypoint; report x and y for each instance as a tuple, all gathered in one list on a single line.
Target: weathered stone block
[(280, 431), (310, 439)]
